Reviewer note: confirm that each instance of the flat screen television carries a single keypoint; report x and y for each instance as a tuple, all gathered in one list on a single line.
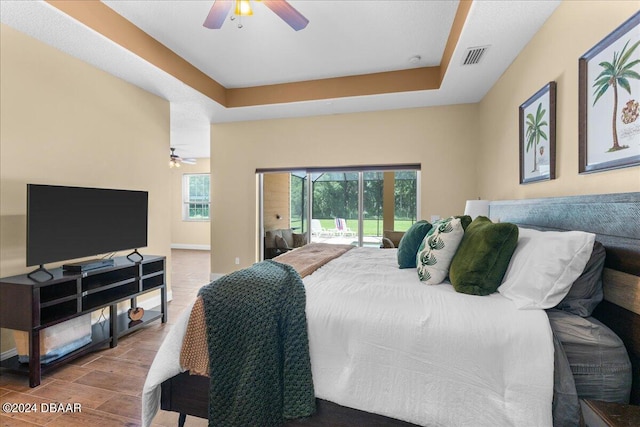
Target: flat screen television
[(65, 223)]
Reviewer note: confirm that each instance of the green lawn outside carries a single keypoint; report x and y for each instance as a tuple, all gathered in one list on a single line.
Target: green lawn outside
[(372, 227)]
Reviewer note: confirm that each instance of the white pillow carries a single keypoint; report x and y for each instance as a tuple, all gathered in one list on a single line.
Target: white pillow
[(544, 266), (437, 250)]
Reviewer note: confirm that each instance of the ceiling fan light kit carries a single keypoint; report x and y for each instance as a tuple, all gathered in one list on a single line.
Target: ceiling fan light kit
[(175, 160), (243, 8), (284, 10)]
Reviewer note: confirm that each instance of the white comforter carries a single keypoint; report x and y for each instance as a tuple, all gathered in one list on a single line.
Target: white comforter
[(383, 342)]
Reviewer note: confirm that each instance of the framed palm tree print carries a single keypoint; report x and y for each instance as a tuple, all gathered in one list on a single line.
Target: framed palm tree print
[(609, 92), (538, 136)]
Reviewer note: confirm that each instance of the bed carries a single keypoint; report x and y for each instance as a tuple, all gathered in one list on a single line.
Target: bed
[(465, 381)]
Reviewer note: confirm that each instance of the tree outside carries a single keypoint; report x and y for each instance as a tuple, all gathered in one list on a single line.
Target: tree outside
[(335, 195)]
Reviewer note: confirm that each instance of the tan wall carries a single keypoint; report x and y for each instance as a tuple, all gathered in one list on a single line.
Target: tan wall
[(458, 162), (65, 122), (195, 234), (552, 54), (430, 136), (277, 200)]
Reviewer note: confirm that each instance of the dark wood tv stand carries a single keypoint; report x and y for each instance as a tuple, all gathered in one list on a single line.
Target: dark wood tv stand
[(31, 306)]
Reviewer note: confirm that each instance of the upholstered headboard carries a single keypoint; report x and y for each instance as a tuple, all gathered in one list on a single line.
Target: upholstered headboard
[(615, 219)]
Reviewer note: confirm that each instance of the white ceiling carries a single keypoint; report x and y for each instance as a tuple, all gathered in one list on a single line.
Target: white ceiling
[(344, 37)]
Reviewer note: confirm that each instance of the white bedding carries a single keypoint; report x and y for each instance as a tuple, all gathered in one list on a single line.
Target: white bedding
[(383, 342)]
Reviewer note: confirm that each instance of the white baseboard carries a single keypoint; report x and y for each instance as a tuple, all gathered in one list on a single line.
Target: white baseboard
[(190, 246), (8, 354), (215, 276), (146, 304)]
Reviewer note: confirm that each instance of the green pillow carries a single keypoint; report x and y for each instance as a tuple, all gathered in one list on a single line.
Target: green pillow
[(408, 246), (483, 256), (465, 220)]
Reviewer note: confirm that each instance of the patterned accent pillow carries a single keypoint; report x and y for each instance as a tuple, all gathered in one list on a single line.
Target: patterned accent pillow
[(437, 250), (299, 240)]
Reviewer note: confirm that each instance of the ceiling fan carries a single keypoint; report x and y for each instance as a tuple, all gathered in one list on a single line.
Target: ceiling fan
[(284, 10), (175, 160)]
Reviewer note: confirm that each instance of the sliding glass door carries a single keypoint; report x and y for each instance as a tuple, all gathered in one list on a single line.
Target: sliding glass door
[(405, 199), (372, 204), (335, 207), (352, 206), (298, 202)]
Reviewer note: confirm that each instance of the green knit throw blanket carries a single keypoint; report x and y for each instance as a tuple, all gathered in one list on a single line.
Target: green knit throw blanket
[(258, 347)]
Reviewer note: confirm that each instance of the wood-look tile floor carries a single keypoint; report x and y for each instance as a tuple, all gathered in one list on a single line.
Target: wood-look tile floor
[(108, 383)]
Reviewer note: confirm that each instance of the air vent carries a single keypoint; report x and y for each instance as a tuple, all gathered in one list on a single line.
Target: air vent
[(474, 55)]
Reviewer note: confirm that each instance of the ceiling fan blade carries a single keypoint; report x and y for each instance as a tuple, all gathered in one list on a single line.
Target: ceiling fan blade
[(189, 161), (288, 14), (217, 14)]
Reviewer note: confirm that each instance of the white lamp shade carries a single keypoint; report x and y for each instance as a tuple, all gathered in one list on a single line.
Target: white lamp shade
[(475, 208)]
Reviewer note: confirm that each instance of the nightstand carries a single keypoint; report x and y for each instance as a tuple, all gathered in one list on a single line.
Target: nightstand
[(597, 413)]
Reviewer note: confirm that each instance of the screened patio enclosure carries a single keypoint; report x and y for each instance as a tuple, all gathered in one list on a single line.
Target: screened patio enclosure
[(343, 206)]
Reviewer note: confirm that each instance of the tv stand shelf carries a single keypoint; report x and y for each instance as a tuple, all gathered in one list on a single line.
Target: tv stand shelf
[(31, 306)]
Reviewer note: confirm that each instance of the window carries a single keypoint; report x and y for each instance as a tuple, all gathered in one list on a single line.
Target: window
[(195, 192), (406, 202)]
